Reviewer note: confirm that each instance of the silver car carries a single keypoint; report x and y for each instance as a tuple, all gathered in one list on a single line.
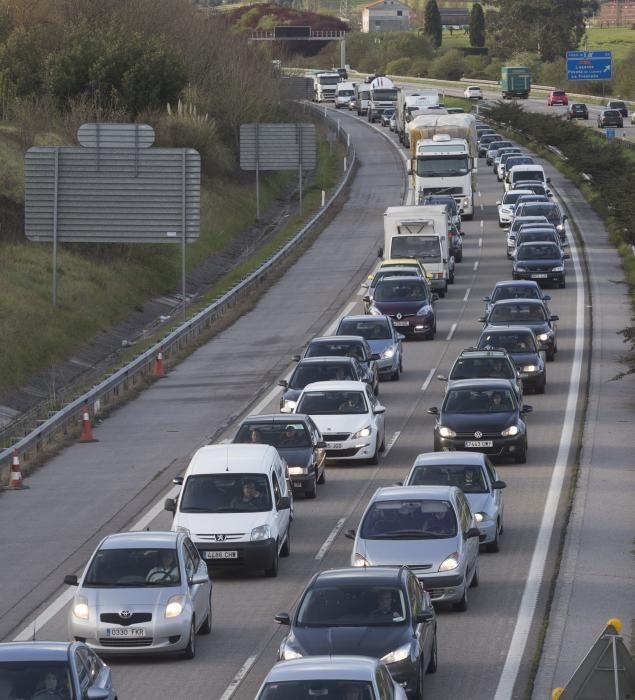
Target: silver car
[(429, 529), (142, 593), (475, 475), (330, 676)]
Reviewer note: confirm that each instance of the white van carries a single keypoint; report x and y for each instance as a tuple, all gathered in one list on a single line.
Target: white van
[(525, 173), (343, 93), (235, 505), (362, 96)]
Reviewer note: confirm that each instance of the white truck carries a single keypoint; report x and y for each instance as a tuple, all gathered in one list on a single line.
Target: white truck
[(324, 86), (383, 97), (444, 158), (362, 98), (344, 92), (421, 232), (409, 105)]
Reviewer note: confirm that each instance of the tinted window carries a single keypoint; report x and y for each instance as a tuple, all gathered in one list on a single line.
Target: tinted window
[(479, 401), (516, 292), (512, 342), (538, 251), (291, 433), (409, 519), (226, 493), (332, 402), (371, 329), (309, 373), (133, 567), (401, 291), (413, 272), (346, 348), (468, 477), (23, 679), (517, 313), (529, 175), (318, 688), (482, 368), (352, 605)]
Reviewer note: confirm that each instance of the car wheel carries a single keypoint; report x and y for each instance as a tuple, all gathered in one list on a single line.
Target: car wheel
[(190, 650), (396, 375), (540, 388), (434, 657), (286, 547), (311, 491), (563, 283), (551, 355), (272, 571), (375, 458), (494, 545), (461, 606), (206, 627), (442, 293), (521, 457), (475, 577), (459, 257), (382, 447), (418, 694), (322, 479), (451, 278)]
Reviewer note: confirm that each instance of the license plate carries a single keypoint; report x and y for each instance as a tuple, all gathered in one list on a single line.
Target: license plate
[(335, 445), (400, 323), (224, 554), (539, 275), (125, 632), (479, 443), (297, 484)]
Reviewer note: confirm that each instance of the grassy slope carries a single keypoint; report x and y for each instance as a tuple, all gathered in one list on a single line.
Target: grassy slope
[(620, 40)]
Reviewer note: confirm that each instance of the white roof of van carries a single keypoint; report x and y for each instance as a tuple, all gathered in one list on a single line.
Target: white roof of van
[(232, 458), (525, 168)]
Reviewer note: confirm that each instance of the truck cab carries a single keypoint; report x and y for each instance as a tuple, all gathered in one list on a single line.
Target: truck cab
[(383, 97), (324, 86)]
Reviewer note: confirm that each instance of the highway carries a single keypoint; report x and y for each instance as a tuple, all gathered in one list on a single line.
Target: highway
[(93, 489)]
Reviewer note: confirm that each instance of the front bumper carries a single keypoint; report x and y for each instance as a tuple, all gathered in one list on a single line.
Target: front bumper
[(499, 447), (388, 365), (251, 555), (404, 674), (351, 450), (301, 482), (487, 528), (414, 325), (444, 588)]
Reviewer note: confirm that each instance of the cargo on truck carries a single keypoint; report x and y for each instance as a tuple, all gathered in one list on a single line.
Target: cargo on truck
[(515, 82), (421, 232), (410, 104), (383, 97)]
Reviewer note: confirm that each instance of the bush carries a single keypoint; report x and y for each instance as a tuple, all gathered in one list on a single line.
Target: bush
[(448, 66), (402, 66), (420, 67)]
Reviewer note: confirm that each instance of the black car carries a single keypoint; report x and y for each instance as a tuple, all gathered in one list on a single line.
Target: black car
[(346, 346), (520, 342), (619, 105), (483, 415), (382, 612), (448, 199), (388, 271), (577, 110), (531, 313), (515, 289), (409, 303), (484, 142), (542, 261), (550, 210), (610, 117), (299, 443), (532, 234), (319, 369)]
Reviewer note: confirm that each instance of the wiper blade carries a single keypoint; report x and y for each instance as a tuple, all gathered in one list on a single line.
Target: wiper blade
[(195, 509), (415, 533)]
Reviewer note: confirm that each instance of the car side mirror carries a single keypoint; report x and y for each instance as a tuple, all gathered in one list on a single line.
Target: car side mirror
[(198, 579), (284, 502), (434, 411), (499, 485), (366, 298), (350, 534), (321, 445), (409, 170), (548, 180), (527, 409), (398, 483), (435, 296), (546, 297), (282, 618), (461, 211), (178, 480), (498, 204), (94, 693), (379, 409), (295, 358), (380, 252), (283, 383), (482, 319), (554, 317), (442, 378), (472, 532), (400, 336), (566, 256), (170, 505), (71, 580), (375, 356), (486, 298), (424, 616), (564, 217)]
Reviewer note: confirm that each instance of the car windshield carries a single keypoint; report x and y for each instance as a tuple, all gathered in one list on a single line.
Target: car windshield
[(482, 368), (133, 567), (345, 348), (412, 519), (345, 93), (518, 160), (532, 235), (317, 688), (500, 144), (372, 329), (411, 272), (332, 402), (424, 247), (385, 94), (310, 373), (36, 679), (468, 477), (227, 492), (524, 291), (617, 104), (479, 400), (530, 175), (393, 290), (442, 166), (450, 201), (361, 605), (522, 220), (538, 251), (511, 197), (518, 314), (277, 434), (547, 209), (558, 93), (512, 342)]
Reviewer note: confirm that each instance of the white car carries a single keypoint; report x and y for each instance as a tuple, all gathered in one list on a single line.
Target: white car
[(330, 676), (473, 92), (507, 206), (349, 416)]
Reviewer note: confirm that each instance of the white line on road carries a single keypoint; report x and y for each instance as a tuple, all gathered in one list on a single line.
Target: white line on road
[(476, 266), (451, 333), (426, 384), (361, 291), (330, 539), (482, 223), (467, 294), (238, 678), (482, 207), (391, 443), (516, 652), (347, 309), (480, 242)]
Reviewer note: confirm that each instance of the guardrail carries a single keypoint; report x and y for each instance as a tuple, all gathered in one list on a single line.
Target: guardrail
[(105, 394)]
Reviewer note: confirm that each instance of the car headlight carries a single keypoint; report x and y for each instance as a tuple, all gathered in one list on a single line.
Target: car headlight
[(530, 368), (519, 268), (80, 608), (184, 530), (359, 560), (543, 336), (465, 202), (424, 310), (288, 651), (388, 353), (480, 517), (560, 227), (296, 471), (399, 654), (289, 406), (364, 432), (374, 311), (450, 563), (511, 431), (262, 532), (558, 268), (446, 432), (174, 606)]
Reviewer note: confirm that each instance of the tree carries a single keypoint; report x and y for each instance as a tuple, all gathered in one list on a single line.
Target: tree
[(477, 25), (432, 23)]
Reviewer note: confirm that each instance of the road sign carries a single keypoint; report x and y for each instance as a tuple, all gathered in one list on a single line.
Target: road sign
[(610, 133), (589, 65), (277, 146)]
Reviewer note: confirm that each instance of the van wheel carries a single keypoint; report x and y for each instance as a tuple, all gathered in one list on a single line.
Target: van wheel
[(475, 579), (190, 650), (272, 571), (322, 479), (206, 627), (286, 547), (434, 656), (461, 606), (311, 492)]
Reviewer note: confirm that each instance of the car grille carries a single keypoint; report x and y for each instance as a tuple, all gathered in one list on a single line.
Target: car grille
[(402, 316), (350, 452), (420, 569), (470, 436), (134, 619), (335, 437), (137, 642), (209, 537), (442, 190), (541, 268)]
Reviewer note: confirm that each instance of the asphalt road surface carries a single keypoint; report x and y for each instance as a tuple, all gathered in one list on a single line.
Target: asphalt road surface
[(89, 490)]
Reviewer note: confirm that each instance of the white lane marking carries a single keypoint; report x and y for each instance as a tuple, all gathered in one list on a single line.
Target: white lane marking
[(482, 223), (63, 599), (391, 443), (347, 309), (467, 294), (480, 242), (361, 291), (269, 396), (330, 539), (527, 608), (482, 207), (476, 266), (238, 678), (426, 384), (451, 333)]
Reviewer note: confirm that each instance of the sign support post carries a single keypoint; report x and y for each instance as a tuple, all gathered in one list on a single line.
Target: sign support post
[(55, 217), (183, 225)]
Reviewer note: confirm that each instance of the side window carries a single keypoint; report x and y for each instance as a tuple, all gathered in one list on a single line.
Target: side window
[(466, 513), (276, 488), (193, 552), (83, 674), (415, 594), (90, 662), (491, 472), (384, 684), (190, 565)]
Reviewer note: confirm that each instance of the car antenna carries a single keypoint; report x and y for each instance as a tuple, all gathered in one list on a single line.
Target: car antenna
[(34, 631), (227, 459)]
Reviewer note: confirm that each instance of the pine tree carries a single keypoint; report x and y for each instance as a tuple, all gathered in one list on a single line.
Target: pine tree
[(477, 25), (432, 23)]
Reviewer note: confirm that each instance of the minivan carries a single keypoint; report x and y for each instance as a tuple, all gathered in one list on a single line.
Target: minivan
[(235, 504), (525, 173)]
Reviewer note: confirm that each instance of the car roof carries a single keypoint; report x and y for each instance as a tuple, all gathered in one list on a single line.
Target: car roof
[(370, 574), (327, 360), (142, 538), (370, 317), (496, 353), (498, 330), (34, 651), (344, 385), (407, 262), (324, 668), (276, 417), (401, 278), (528, 243), (529, 300), (337, 339), (476, 383), (454, 457), (232, 457), (518, 191), (434, 492), (526, 167), (516, 283), (395, 268)]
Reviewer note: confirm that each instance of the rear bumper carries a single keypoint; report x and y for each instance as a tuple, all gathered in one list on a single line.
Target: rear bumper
[(251, 555)]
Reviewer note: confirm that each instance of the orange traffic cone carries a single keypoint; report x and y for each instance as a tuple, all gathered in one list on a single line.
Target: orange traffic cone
[(87, 429), (16, 484), (158, 366)]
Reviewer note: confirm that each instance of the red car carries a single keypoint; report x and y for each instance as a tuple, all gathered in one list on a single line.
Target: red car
[(557, 97)]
